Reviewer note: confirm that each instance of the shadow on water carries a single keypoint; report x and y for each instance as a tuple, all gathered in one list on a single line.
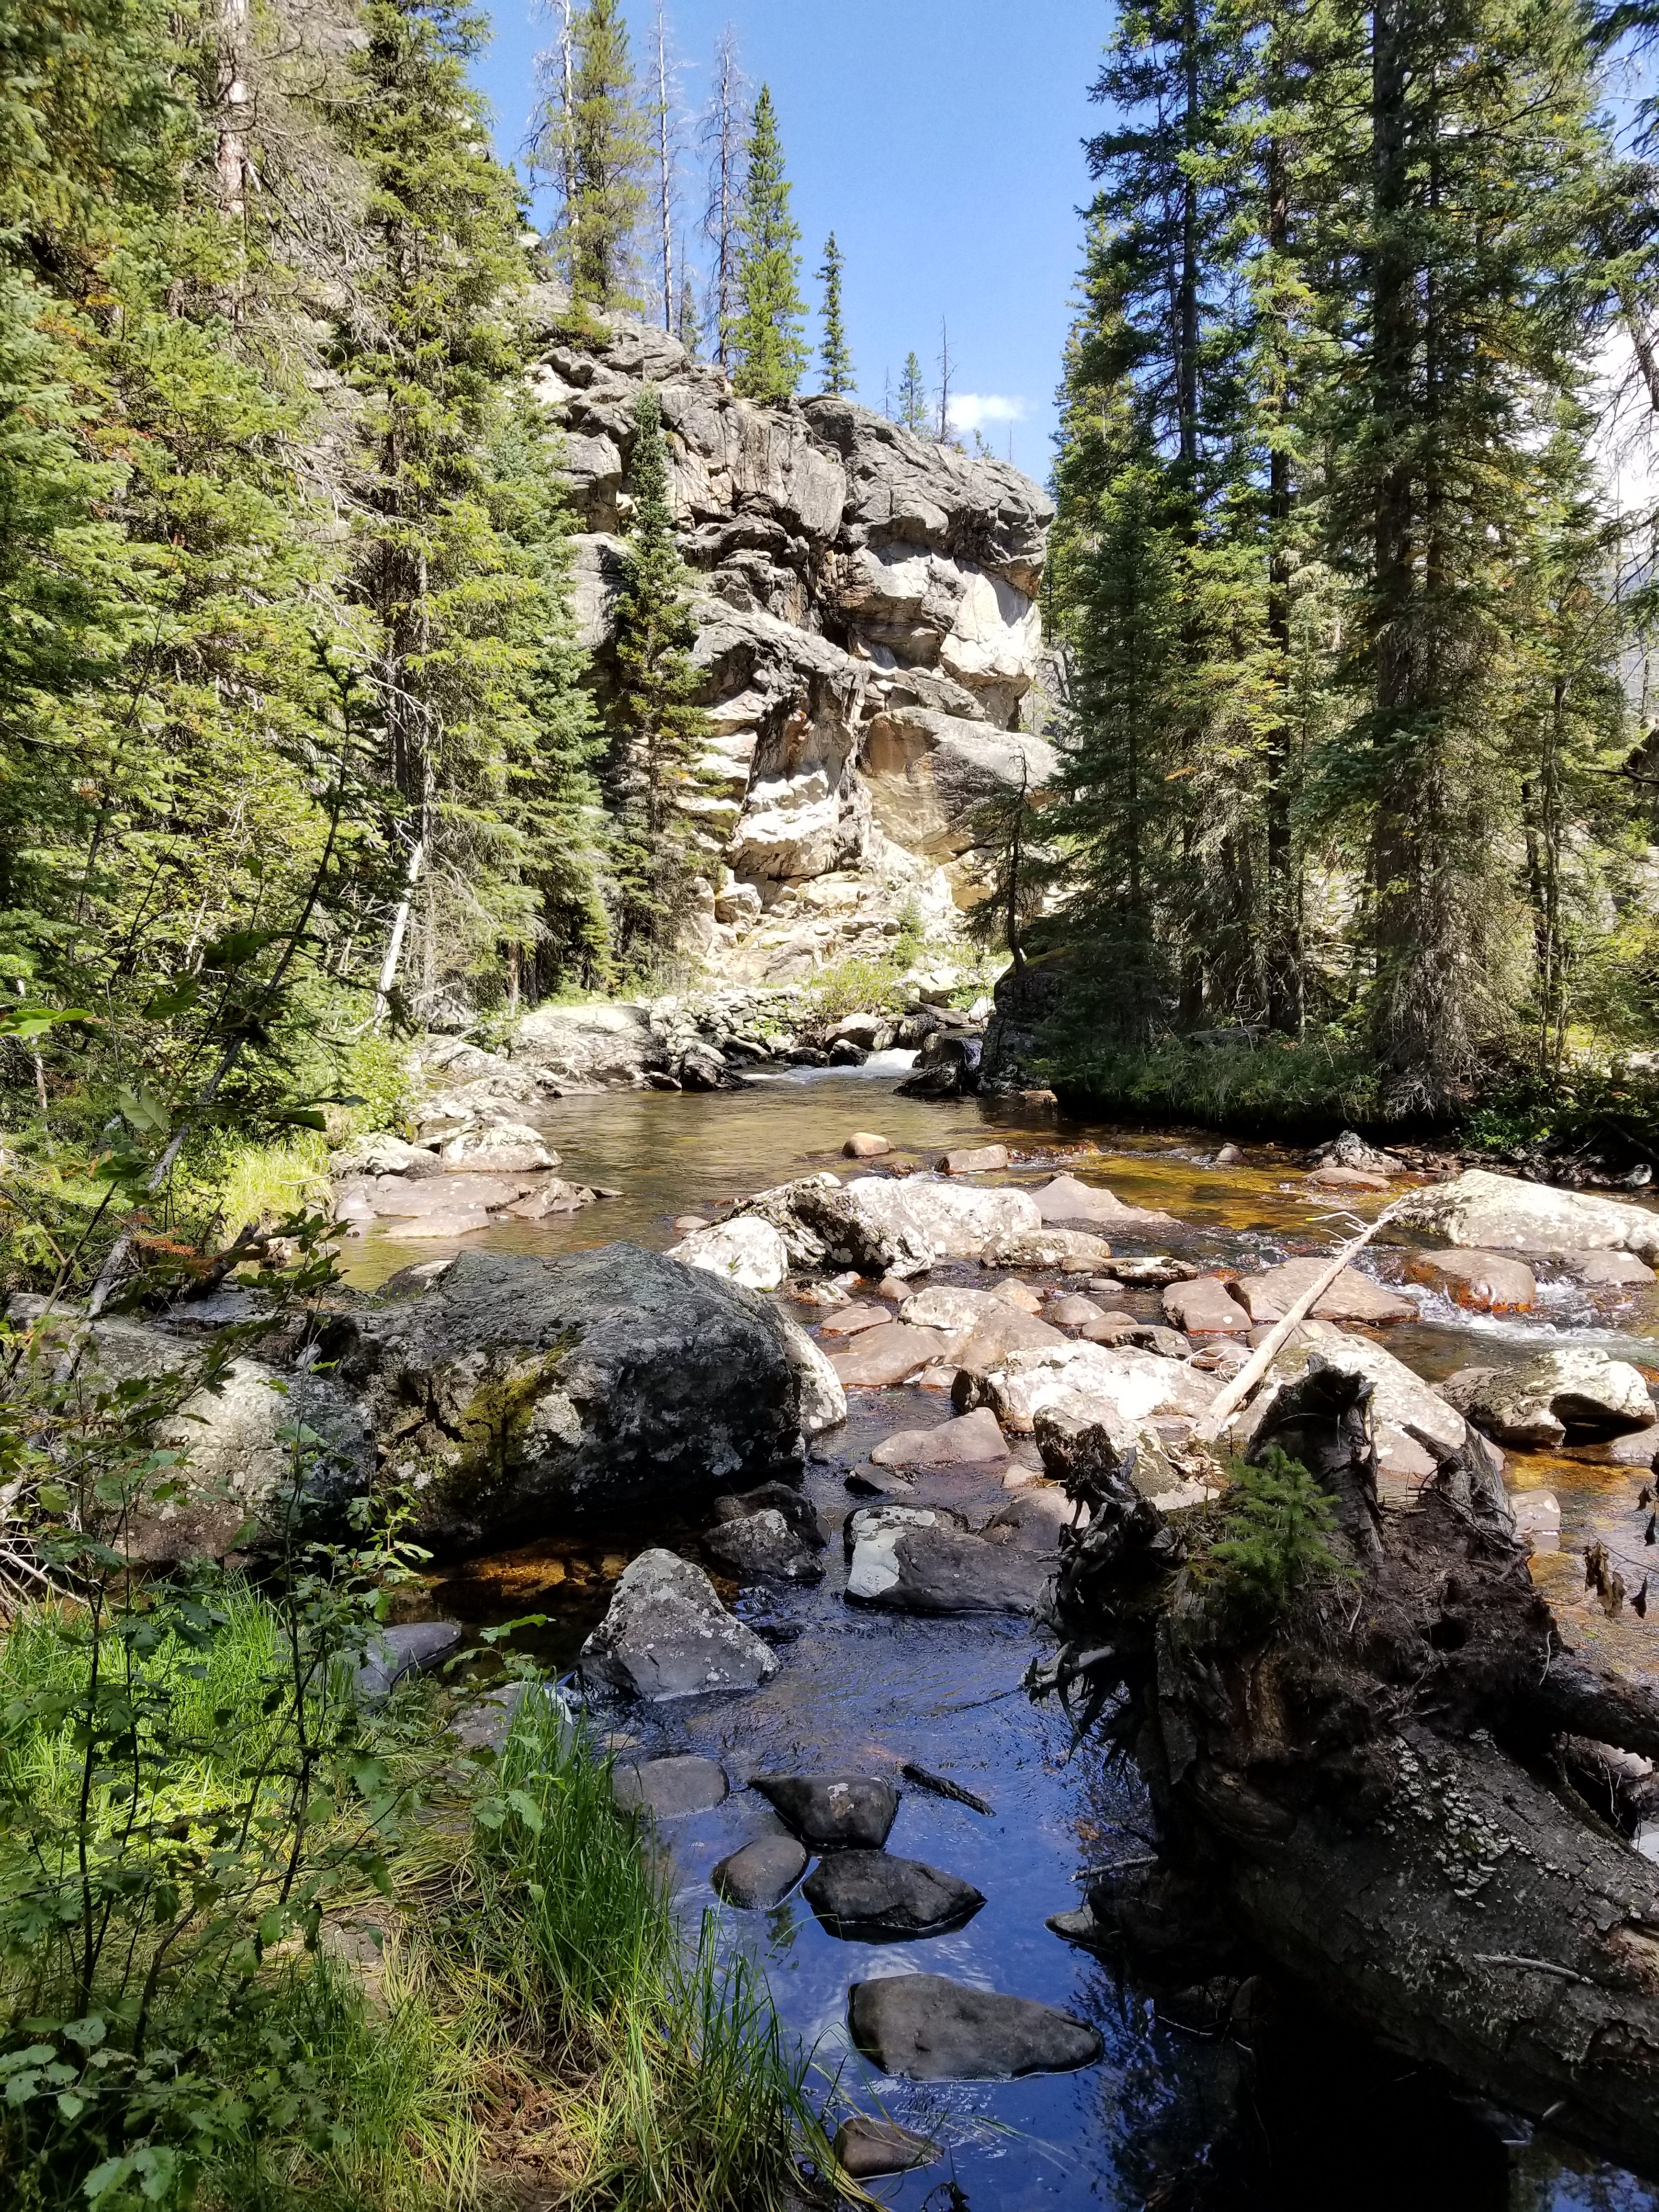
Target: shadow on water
[(1309, 2115)]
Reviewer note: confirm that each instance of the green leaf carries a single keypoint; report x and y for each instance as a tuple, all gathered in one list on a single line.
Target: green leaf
[(172, 998), (104, 2178), (237, 947), (27, 1023), (527, 1809)]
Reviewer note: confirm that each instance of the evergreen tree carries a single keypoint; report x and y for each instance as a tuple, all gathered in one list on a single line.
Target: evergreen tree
[(913, 413), (656, 722), (767, 338), (593, 138), (835, 356), (688, 325)]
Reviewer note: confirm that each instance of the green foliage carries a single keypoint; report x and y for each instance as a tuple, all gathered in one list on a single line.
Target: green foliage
[(592, 139), (835, 355), (912, 410), (1274, 1540), (1275, 1089), (766, 338)]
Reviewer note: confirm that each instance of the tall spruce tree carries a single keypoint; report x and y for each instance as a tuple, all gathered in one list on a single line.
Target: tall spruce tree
[(835, 355), (594, 139), (656, 723), (912, 411), (767, 340)]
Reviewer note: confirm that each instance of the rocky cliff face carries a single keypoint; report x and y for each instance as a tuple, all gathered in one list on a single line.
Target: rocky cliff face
[(868, 631)]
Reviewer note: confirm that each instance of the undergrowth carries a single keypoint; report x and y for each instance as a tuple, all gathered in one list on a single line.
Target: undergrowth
[(1272, 1538), (1274, 1088)]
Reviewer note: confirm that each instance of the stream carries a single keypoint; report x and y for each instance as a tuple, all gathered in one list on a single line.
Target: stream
[(1170, 2117)]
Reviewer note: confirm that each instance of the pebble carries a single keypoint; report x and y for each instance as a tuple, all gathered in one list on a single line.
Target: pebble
[(865, 1144)]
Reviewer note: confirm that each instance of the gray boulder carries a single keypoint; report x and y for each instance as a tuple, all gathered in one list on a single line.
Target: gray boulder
[(868, 1897), (914, 1559), (832, 1811), (667, 1789), (923, 2027), (413, 1648), (666, 1635), (1573, 1386), (1497, 1212), (762, 1548), (760, 1875), (604, 1047), (516, 1391)]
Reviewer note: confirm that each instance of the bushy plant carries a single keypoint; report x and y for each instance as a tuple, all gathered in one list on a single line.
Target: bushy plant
[(1274, 1536)]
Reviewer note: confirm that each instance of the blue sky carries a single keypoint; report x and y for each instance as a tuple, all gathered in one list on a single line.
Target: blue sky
[(941, 141)]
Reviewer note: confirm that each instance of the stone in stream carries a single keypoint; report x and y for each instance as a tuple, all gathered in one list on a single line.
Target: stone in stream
[(1597, 1270), (1339, 1178), (399, 1198), (762, 1548), (669, 1788), (868, 1897), (685, 1223), (1228, 1157), (1535, 1404), (385, 1155), (518, 1390), (1073, 1251), (866, 2148), (942, 1305), (1005, 1328), (1066, 1199), (923, 2027), (1089, 1440), (1145, 1336), (1032, 1521), (1400, 1398), (1488, 1212), (1019, 1295), (760, 1875), (832, 1811), (553, 1196), (895, 1290), (506, 1148), (882, 1357), (867, 1145), (1350, 1150), (982, 1159), (910, 1558), (971, 1440), (949, 1220), (822, 1400), (1205, 1307), (1353, 1297), (852, 1321), (1152, 1272), (796, 1507), (413, 1648), (1135, 1384), (667, 1635), (744, 1250), (1637, 1448), (1537, 1516), (823, 1226), (1072, 1311), (1487, 1282)]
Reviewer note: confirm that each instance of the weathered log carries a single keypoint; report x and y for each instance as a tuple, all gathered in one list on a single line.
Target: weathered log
[(1368, 1789)]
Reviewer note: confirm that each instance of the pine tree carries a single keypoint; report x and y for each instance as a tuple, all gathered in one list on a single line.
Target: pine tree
[(835, 356), (593, 138), (767, 340), (656, 722), (912, 412), (689, 324)]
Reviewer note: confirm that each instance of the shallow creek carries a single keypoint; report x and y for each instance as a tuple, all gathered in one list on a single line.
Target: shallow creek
[(1169, 2118)]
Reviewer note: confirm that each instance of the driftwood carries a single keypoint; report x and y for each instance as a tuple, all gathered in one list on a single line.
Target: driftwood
[(1372, 1789)]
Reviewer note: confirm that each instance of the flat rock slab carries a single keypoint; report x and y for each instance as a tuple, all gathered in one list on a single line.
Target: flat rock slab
[(666, 1788), (667, 1635), (882, 1357), (1141, 1335), (399, 1198), (1340, 1178), (1352, 1296), (1599, 1270), (1205, 1307), (832, 1811), (1484, 1212), (981, 1159), (853, 1320), (865, 2147), (972, 1440), (925, 2027), (1486, 1282), (1066, 1199), (1005, 1329), (1073, 1251), (762, 1874), (912, 1559), (868, 1897)]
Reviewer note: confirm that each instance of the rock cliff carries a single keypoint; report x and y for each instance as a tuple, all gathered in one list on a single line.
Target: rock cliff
[(868, 631)]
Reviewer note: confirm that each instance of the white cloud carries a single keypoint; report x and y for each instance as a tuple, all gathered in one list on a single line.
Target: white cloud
[(972, 410)]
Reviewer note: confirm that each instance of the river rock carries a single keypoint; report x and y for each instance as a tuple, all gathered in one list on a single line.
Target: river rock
[(912, 1559), (744, 1250), (1146, 1335), (1535, 1404), (1153, 1271), (981, 1160), (552, 1196), (608, 1046), (505, 1148), (1072, 1311), (1350, 1150), (517, 1390), (1487, 1282), (1487, 1212), (1066, 1199), (896, 1292), (1205, 1307), (853, 1320), (1635, 1448), (669, 1788), (923, 2027), (972, 1440), (867, 1145), (760, 1875), (1013, 1292), (762, 1548), (868, 1897), (824, 1226), (1401, 1397), (1032, 1520), (1137, 1384), (1003, 1329), (866, 2148), (1599, 1269), (950, 1220), (882, 1357), (1352, 1296), (414, 1647), (666, 1635), (1073, 1251), (822, 1400), (1340, 1178), (1086, 1439), (796, 1507), (400, 1199), (385, 1155), (832, 1811), (942, 1305)]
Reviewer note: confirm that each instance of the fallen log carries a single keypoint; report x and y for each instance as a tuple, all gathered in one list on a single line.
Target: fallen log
[(1366, 1786)]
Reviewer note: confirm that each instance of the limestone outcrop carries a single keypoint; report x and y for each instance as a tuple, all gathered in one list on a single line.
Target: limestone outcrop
[(868, 633)]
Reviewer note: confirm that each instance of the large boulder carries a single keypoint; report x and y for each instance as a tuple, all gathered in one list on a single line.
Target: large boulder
[(1488, 1282), (666, 1635), (923, 2027), (1352, 1296), (1137, 1385), (1500, 1213), (823, 1227), (1570, 1386), (1066, 1199), (949, 1220), (518, 1392), (609, 1046), (823, 1400), (1401, 1402), (878, 1358), (832, 1811)]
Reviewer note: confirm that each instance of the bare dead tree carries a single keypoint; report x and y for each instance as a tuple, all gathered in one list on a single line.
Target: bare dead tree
[(723, 132)]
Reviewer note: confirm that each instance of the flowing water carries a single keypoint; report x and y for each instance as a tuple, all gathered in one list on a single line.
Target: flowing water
[(1169, 2117)]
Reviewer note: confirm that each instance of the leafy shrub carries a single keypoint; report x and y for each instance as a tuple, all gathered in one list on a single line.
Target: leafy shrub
[(1273, 1538)]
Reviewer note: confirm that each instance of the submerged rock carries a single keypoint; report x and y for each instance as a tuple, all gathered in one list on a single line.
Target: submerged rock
[(832, 1811), (760, 1875), (869, 1897), (667, 1635), (923, 2027), (866, 2148), (669, 1788)]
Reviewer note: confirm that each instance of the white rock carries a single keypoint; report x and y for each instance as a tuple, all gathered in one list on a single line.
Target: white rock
[(942, 1306), (1498, 1212), (745, 1249), (822, 1400), (954, 1219)]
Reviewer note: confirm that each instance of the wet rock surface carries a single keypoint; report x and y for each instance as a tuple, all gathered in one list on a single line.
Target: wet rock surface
[(870, 1897), (832, 1811), (923, 2027), (668, 1789), (760, 1875), (907, 1558), (667, 1635)]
